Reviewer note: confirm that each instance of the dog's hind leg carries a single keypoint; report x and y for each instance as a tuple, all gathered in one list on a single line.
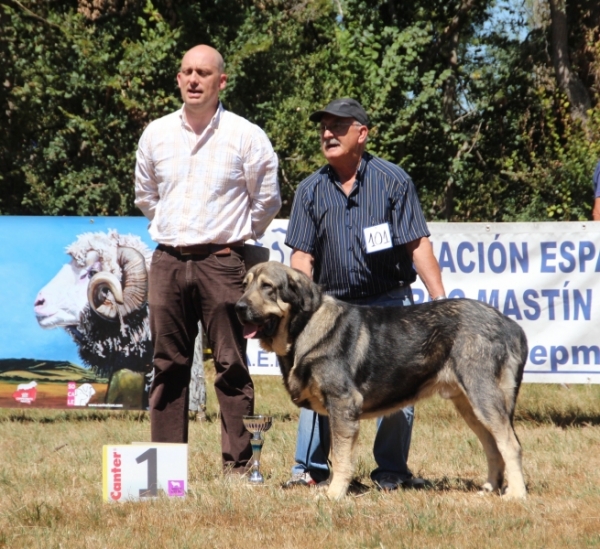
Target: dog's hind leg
[(495, 419), (344, 425), (509, 447), (494, 457), (511, 451)]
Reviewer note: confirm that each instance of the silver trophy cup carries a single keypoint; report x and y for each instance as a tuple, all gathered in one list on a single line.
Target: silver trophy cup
[(257, 425)]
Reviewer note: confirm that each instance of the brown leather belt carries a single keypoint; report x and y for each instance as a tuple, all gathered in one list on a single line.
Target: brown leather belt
[(202, 249)]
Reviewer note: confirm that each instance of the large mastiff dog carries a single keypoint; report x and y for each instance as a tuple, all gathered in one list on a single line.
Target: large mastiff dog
[(353, 362)]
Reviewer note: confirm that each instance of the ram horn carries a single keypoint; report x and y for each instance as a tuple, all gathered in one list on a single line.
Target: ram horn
[(110, 298)]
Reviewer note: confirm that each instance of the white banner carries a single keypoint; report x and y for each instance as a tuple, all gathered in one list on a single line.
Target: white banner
[(543, 275), (259, 361)]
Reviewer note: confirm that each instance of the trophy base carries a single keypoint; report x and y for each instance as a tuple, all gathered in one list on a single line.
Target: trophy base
[(256, 478)]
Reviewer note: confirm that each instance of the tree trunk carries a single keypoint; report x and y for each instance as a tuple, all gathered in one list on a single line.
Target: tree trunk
[(568, 81), (197, 394), (451, 39)]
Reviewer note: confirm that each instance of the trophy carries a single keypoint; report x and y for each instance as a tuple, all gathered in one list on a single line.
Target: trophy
[(257, 425)]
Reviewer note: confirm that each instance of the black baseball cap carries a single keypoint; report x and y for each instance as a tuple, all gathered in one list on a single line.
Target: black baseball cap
[(343, 107)]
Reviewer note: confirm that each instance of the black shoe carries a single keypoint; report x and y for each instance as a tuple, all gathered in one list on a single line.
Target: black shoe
[(416, 483), (389, 483)]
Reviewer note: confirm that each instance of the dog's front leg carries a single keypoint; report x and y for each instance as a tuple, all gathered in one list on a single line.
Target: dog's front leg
[(344, 425)]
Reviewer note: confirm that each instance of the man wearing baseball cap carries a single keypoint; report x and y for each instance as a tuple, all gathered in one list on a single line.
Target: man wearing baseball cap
[(343, 108), (334, 211)]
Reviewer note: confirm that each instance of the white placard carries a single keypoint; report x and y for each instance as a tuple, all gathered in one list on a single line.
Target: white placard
[(143, 471), (260, 362), (377, 238)]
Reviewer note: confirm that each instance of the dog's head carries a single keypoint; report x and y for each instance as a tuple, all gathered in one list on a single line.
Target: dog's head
[(276, 305)]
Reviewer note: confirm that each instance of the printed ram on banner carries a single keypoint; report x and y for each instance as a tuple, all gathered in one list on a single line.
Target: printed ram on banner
[(74, 325), (65, 340)]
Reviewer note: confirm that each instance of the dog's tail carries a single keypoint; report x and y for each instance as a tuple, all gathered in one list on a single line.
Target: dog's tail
[(518, 354)]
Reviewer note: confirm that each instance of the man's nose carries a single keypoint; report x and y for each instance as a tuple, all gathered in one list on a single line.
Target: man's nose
[(326, 133)]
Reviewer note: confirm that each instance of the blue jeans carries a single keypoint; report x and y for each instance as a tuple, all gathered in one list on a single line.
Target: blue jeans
[(392, 440)]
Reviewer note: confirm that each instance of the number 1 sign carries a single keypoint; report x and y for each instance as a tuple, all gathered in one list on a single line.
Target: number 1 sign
[(143, 470)]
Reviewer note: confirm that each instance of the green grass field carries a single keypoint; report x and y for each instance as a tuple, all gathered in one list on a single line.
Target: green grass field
[(51, 484)]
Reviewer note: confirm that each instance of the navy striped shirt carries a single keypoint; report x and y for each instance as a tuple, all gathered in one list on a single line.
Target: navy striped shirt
[(328, 224)]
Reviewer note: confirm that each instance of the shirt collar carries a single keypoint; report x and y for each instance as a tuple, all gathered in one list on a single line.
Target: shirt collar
[(362, 167), (214, 121), (360, 172)]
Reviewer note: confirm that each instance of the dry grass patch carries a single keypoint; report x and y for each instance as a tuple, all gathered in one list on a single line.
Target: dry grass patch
[(51, 493)]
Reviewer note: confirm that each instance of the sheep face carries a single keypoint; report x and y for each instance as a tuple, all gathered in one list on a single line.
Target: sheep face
[(100, 299), (61, 302)]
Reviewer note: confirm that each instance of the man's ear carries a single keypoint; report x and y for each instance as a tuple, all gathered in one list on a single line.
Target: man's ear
[(363, 134), (222, 81)]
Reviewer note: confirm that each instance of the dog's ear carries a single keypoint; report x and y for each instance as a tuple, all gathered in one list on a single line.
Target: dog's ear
[(305, 301), (248, 278), (307, 293), (289, 290)]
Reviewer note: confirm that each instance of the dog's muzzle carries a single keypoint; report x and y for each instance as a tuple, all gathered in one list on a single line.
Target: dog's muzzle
[(255, 327)]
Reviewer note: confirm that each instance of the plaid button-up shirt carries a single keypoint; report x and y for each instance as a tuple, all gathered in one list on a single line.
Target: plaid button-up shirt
[(219, 187)]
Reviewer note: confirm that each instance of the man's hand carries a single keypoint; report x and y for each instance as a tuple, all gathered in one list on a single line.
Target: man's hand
[(302, 261), (426, 265)]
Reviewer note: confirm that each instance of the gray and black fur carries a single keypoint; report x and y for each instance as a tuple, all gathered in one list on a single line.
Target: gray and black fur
[(354, 362)]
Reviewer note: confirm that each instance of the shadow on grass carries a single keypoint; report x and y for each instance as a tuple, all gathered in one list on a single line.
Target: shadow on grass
[(446, 484), (563, 419), (54, 416), (83, 416)]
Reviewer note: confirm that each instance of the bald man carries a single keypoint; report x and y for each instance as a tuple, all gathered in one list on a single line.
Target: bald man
[(207, 181)]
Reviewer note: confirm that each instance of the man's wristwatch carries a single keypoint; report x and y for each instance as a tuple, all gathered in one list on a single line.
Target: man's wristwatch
[(439, 297)]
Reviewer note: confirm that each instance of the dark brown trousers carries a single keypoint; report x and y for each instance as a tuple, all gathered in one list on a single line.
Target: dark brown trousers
[(183, 290)]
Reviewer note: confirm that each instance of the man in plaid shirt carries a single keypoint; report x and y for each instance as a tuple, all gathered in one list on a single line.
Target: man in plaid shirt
[(207, 181)]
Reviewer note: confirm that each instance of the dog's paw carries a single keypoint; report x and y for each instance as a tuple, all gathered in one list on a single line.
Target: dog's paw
[(336, 493), (487, 489), (324, 496), (514, 495)]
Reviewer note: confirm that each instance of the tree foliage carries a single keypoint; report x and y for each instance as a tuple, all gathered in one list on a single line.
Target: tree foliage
[(78, 95), (459, 95)]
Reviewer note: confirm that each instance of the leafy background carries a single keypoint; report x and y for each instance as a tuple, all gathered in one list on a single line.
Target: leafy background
[(491, 106)]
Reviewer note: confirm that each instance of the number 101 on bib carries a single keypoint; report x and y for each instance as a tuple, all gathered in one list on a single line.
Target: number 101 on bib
[(143, 470)]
